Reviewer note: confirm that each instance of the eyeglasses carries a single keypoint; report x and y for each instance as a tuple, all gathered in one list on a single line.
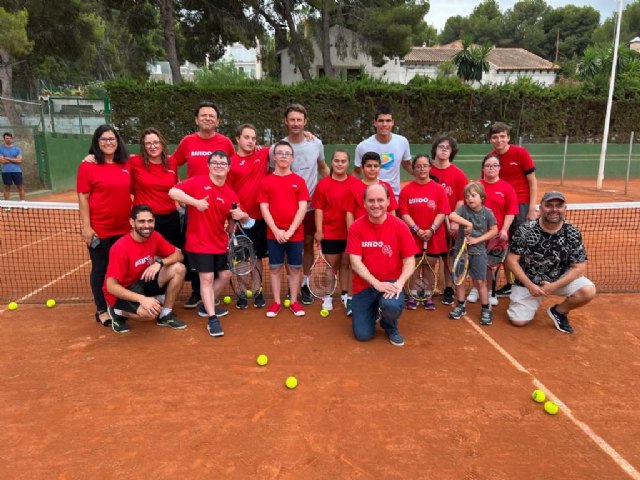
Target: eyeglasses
[(151, 144), (218, 164), (421, 167), (444, 147), (492, 166), (283, 154), (108, 140)]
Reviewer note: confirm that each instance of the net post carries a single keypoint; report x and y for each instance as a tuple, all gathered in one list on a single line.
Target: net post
[(626, 178), (564, 158)]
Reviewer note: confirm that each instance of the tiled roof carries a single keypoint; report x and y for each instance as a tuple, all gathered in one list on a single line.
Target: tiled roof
[(500, 58)]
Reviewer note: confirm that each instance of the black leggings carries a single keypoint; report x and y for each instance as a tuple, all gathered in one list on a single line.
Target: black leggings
[(99, 261)]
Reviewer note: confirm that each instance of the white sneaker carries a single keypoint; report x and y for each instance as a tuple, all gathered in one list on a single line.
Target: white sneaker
[(473, 295), (327, 303), (493, 301), (344, 298)]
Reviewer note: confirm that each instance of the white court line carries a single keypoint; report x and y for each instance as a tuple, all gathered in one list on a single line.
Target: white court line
[(599, 441), (29, 245)]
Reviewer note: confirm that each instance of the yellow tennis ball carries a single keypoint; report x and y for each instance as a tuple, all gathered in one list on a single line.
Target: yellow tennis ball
[(287, 303), (324, 313), (551, 408), (262, 360), (13, 306), (51, 303), (227, 299), (249, 293), (538, 396), (291, 382)]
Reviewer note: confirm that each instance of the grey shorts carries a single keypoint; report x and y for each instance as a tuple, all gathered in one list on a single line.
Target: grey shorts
[(478, 266)]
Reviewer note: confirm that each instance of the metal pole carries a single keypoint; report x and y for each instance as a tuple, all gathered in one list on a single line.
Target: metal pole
[(612, 82), (564, 158), (626, 180)]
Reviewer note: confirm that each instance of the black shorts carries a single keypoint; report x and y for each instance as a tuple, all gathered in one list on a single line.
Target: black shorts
[(523, 209), (333, 247), (12, 177), (208, 262), (169, 227), (258, 235), (148, 289)]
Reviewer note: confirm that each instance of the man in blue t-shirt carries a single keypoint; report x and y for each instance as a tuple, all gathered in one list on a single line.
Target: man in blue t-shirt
[(11, 159)]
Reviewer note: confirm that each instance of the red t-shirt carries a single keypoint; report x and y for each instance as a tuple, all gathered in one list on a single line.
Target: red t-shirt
[(109, 189), (382, 248), (453, 180), (245, 176), (329, 196), (283, 194), (423, 202), (150, 184), (195, 150), (515, 164), (128, 259), (205, 230), (501, 200), (356, 204)]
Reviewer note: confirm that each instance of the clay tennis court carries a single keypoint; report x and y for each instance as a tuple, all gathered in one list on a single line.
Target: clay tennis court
[(80, 402)]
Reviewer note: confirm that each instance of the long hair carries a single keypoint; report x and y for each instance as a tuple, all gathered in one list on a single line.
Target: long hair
[(143, 151), (121, 155)]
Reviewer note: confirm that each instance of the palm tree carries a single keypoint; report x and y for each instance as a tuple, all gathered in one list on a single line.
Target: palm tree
[(472, 61)]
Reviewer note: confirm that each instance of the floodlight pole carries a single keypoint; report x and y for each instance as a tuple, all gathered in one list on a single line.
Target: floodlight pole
[(612, 82)]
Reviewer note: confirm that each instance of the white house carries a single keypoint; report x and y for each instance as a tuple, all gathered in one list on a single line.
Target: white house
[(246, 60), (348, 58), (161, 71), (635, 44)]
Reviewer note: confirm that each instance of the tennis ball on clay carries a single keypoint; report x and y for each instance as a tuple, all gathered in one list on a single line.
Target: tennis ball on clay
[(262, 360), (227, 299), (287, 303), (13, 306), (249, 293), (538, 396), (51, 303), (291, 382), (324, 313), (551, 408)]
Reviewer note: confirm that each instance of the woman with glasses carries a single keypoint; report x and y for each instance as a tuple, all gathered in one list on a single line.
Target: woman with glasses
[(501, 199), (423, 206), (104, 197), (443, 151), (153, 173)]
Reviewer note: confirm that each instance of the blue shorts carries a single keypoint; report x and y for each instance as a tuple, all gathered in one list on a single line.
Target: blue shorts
[(277, 251), (12, 177)]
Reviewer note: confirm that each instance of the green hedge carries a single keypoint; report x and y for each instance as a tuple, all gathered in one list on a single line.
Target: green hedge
[(342, 112)]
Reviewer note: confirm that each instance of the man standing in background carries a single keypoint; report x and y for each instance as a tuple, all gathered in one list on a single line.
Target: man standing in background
[(11, 160)]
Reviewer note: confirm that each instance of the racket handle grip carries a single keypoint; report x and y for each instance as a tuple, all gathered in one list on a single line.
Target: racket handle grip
[(234, 205)]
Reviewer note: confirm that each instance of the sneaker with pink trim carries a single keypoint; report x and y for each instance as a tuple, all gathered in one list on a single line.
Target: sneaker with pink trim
[(297, 309), (274, 310)]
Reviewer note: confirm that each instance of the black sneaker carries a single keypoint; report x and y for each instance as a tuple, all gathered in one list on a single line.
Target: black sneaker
[(305, 295), (457, 312), (170, 320), (486, 316), (194, 300), (560, 319), (242, 303), (395, 338), (258, 301), (214, 327), (505, 291), (219, 311), (447, 296), (118, 322)]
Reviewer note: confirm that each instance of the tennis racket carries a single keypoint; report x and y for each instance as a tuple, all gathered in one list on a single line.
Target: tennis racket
[(242, 255), (496, 253), (424, 280), (248, 285), (460, 265), (323, 279)]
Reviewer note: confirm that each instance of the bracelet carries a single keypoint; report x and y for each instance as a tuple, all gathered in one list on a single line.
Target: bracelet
[(433, 229), (415, 228)]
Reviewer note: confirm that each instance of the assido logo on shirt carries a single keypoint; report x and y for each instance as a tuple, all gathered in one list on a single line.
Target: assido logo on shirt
[(143, 261), (385, 249)]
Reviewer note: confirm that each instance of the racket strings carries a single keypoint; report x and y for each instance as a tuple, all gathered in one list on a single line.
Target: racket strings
[(247, 285), (241, 255), (322, 280)]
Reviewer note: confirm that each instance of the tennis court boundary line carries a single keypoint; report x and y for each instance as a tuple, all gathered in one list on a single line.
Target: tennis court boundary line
[(594, 437)]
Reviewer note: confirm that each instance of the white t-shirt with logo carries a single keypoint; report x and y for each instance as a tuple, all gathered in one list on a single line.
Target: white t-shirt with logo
[(392, 155)]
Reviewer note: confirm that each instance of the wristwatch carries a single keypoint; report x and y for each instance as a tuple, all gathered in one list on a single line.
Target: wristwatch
[(160, 261)]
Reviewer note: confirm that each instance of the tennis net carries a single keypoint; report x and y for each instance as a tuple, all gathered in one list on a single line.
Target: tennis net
[(44, 256)]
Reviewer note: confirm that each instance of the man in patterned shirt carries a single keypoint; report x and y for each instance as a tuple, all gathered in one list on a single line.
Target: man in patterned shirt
[(548, 257)]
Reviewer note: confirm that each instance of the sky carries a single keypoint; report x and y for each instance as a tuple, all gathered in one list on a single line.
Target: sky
[(441, 10)]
